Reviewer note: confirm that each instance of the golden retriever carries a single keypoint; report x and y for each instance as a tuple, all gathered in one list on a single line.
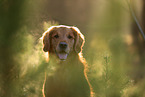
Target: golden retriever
[(69, 79)]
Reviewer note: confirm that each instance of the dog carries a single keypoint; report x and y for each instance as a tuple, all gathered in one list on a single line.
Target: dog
[(64, 47)]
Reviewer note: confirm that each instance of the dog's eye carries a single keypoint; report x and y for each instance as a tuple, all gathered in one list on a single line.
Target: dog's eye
[(70, 37), (56, 36)]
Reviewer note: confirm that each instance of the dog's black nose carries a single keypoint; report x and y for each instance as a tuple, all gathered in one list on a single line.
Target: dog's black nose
[(63, 45)]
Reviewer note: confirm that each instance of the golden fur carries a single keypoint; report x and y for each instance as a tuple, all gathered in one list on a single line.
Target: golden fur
[(69, 78)]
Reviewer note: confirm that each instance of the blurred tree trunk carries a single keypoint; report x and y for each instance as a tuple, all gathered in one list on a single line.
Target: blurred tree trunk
[(143, 16), (9, 69), (139, 44)]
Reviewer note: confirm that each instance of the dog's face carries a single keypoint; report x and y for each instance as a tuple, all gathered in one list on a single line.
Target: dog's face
[(62, 40)]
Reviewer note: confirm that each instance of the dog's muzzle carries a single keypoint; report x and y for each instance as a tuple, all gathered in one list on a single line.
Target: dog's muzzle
[(62, 53)]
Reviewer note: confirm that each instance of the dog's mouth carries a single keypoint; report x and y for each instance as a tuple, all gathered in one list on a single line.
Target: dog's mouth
[(62, 55)]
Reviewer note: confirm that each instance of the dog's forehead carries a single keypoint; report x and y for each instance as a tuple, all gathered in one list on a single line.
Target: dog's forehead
[(63, 30)]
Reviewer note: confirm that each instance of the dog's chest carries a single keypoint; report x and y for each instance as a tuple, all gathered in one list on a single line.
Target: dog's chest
[(67, 75), (67, 80)]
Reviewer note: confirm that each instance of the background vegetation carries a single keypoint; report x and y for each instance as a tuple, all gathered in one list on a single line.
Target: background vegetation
[(114, 47)]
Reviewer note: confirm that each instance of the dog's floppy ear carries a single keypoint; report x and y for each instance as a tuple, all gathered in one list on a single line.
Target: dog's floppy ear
[(46, 42), (46, 39), (79, 40)]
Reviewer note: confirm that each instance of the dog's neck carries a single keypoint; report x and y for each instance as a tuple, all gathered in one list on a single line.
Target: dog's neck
[(71, 65), (72, 61)]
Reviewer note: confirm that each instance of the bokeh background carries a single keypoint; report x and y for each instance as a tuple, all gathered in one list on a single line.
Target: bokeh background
[(114, 47)]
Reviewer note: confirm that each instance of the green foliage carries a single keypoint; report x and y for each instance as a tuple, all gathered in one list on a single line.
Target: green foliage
[(32, 63), (110, 55), (112, 82)]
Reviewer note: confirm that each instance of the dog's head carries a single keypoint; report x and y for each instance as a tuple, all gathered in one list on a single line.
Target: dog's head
[(62, 40)]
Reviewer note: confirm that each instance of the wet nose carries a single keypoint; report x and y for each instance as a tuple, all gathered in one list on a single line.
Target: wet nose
[(63, 45)]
